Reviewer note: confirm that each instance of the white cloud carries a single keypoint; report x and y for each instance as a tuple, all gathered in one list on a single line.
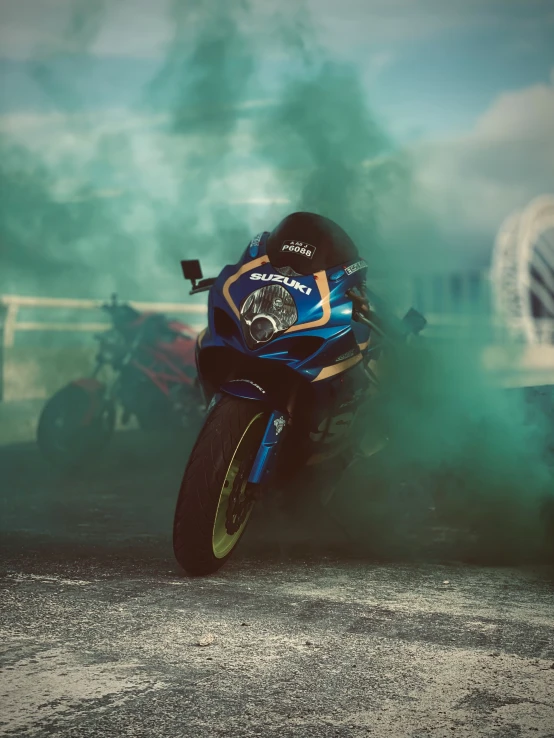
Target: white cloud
[(519, 115), (475, 180)]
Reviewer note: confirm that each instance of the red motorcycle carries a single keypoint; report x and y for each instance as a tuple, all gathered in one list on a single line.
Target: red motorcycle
[(153, 379)]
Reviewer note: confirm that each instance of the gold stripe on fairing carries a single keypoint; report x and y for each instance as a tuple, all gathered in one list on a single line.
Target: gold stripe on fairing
[(233, 278), (323, 287), (201, 337), (330, 371), (363, 346)]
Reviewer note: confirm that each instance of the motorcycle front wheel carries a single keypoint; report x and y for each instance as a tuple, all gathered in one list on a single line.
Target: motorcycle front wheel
[(215, 500)]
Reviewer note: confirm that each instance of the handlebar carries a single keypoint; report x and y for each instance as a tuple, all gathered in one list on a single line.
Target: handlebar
[(388, 326)]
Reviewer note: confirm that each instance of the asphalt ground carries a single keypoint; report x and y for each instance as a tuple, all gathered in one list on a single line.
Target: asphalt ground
[(301, 634)]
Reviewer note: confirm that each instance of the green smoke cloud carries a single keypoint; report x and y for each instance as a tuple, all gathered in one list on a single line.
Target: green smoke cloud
[(325, 152), (452, 428), (204, 87)]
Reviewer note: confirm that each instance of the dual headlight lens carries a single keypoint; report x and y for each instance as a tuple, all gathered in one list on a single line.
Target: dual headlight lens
[(262, 329), (267, 312)]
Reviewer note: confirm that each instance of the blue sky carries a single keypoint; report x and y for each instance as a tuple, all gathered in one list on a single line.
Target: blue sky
[(444, 83), (444, 63)]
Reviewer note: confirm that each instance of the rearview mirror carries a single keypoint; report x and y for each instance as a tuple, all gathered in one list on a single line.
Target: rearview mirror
[(192, 270), (414, 321)]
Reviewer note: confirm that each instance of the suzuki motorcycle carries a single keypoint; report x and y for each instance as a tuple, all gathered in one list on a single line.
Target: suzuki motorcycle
[(153, 378), (290, 354)]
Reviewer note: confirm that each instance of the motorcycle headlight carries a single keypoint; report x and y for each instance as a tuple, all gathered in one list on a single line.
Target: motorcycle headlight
[(266, 313)]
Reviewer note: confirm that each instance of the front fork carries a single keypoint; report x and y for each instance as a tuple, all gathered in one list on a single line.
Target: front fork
[(275, 430), (264, 462), (273, 438)]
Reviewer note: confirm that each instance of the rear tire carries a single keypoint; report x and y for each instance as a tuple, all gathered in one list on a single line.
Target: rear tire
[(215, 500)]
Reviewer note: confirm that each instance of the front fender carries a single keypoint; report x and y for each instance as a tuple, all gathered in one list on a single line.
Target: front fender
[(246, 389)]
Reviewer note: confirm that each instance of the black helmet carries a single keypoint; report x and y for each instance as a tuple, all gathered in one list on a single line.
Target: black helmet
[(308, 243)]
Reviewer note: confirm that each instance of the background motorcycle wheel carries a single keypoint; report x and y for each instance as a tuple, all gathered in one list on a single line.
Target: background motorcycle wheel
[(63, 436), (215, 500)]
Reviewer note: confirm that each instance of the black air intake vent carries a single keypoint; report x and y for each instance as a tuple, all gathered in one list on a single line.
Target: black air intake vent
[(224, 324)]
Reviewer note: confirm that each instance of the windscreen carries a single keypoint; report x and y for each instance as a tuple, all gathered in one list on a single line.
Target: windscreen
[(309, 243)]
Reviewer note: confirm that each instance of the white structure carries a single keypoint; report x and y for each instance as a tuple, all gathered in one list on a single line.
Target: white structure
[(522, 272)]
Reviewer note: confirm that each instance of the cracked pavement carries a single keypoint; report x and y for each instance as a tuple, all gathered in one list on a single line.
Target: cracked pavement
[(100, 632)]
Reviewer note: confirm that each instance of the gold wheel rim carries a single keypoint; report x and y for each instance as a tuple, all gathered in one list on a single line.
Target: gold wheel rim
[(223, 542)]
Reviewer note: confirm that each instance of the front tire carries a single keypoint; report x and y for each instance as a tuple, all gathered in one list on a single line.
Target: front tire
[(215, 499)]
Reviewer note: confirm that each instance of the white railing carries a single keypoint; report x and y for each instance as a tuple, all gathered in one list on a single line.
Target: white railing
[(438, 323), (537, 367), (10, 305)]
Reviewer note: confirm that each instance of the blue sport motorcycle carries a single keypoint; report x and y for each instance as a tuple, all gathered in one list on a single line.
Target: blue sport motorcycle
[(287, 359)]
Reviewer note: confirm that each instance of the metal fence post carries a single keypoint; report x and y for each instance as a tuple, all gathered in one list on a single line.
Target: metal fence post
[(3, 318), (8, 320)]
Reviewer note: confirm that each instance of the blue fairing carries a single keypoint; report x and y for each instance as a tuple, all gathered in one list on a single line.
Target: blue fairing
[(321, 345), (324, 311)]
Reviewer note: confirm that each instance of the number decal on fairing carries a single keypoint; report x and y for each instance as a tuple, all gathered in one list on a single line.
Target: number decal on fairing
[(298, 247), (331, 429)]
